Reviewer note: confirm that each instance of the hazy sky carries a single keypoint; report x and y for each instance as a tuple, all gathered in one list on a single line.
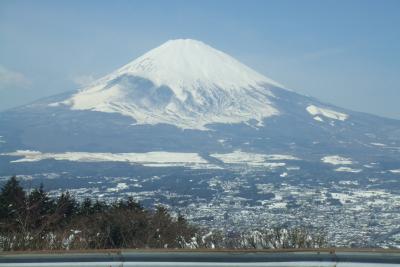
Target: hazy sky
[(343, 52)]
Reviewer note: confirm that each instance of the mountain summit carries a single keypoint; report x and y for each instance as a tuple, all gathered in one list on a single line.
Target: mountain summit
[(185, 83)]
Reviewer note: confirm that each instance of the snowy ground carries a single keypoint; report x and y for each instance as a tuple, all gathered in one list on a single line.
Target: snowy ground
[(337, 160), (347, 169), (253, 159), (159, 158), (153, 159)]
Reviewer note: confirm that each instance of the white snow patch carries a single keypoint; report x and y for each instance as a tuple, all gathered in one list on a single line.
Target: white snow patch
[(348, 169), (293, 168), (155, 159), (377, 144), (119, 187), (251, 159), (56, 104), (337, 160), (187, 84), (122, 186), (280, 157), (318, 118), (328, 113), (348, 182), (368, 166)]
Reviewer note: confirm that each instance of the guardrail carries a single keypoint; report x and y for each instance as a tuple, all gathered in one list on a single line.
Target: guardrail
[(309, 258)]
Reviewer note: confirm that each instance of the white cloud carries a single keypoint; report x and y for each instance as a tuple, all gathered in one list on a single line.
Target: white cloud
[(10, 79), (83, 80)]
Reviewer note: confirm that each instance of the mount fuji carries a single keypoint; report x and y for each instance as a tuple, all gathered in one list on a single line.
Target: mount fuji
[(186, 104), (185, 83), (190, 128)]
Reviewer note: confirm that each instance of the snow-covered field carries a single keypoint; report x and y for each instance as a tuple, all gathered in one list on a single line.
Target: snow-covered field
[(337, 160), (280, 157), (159, 158), (154, 159), (348, 169), (190, 160), (253, 159)]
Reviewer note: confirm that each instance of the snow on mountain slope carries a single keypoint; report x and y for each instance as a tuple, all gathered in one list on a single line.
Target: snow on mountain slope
[(185, 83), (328, 113)]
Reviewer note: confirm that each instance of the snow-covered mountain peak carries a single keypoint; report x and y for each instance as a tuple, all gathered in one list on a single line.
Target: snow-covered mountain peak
[(183, 82), (186, 65)]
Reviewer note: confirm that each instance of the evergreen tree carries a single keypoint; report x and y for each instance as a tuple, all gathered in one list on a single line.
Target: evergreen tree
[(67, 205), (86, 208), (12, 199), (161, 228), (40, 207), (133, 205), (40, 200), (99, 206)]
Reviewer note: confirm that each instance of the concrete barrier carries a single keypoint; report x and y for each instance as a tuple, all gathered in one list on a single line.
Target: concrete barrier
[(323, 258)]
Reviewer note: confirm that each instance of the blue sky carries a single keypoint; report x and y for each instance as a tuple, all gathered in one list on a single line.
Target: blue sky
[(342, 52)]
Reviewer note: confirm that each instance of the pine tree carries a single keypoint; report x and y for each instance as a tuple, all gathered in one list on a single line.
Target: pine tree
[(133, 205), (86, 207), (67, 205), (40, 206), (12, 199), (99, 206)]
